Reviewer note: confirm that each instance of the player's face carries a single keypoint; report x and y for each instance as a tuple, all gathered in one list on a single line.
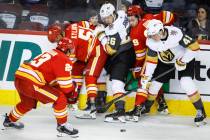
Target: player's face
[(94, 20), (133, 21), (202, 14), (108, 20), (156, 37)]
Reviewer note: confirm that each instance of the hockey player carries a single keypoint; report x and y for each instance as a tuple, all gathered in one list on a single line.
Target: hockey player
[(138, 26), (168, 47), (47, 78), (122, 55), (90, 57), (92, 23)]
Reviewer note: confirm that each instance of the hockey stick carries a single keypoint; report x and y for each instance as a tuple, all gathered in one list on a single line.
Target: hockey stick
[(109, 104)]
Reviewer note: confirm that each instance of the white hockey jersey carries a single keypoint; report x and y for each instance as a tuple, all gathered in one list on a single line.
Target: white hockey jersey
[(175, 46), (118, 32)]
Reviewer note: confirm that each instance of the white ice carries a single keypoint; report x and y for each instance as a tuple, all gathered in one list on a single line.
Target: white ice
[(40, 124)]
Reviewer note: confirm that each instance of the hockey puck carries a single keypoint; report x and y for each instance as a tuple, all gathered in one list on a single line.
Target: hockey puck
[(122, 130)]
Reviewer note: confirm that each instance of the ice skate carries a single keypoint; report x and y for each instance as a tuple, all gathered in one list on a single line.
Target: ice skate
[(9, 124), (118, 116), (134, 114), (67, 129), (200, 118)]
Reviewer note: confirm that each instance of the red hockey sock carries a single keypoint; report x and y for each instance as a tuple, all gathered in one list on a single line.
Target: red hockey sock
[(60, 109)]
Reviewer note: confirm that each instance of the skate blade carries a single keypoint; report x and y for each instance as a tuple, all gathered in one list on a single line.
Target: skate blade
[(65, 135), (111, 120), (85, 117), (202, 123), (132, 119)]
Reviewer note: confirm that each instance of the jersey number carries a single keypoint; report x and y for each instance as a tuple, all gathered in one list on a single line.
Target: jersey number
[(187, 40), (112, 41), (40, 59), (135, 42), (84, 36)]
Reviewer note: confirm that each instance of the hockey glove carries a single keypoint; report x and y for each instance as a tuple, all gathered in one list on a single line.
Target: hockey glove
[(145, 82), (180, 66), (73, 96)]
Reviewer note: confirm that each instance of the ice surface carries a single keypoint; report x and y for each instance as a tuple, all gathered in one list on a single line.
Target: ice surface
[(40, 125)]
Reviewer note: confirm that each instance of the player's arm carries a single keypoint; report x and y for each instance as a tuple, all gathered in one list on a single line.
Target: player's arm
[(192, 47), (167, 17), (150, 62), (149, 68), (99, 32)]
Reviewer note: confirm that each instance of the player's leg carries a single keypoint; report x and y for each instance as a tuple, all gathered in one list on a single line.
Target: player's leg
[(156, 85), (47, 94), (192, 92), (77, 73), (141, 97), (162, 105), (94, 67), (118, 72), (77, 76), (102, 93), (26, 104)]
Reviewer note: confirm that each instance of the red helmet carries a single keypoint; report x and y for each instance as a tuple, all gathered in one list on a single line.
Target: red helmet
[(135, 10), (66, 44), (53, 32)]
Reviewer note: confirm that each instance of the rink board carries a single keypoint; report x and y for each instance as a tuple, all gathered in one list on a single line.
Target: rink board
[(176, 107), (24, 45)]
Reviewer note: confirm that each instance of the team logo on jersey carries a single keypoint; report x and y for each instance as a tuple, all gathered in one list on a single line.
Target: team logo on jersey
[(166, 56), (68, 67)]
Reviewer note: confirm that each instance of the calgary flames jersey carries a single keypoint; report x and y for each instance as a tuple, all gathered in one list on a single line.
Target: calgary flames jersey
[(52, 67), (83, 39), (86, 24), (137, 33)]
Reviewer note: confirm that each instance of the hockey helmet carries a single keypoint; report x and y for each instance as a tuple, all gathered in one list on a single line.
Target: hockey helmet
[(153, 27), (65, 45), (53, 32), (106, 10)]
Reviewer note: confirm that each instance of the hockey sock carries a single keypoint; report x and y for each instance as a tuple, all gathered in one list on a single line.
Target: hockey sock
[(19, 110), (60, 109), (141, 97), (148, 104), (196, 100), (120, 105)]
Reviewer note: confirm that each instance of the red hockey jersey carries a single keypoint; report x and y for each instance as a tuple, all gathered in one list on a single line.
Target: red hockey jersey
[(83, 39), (52, 67)]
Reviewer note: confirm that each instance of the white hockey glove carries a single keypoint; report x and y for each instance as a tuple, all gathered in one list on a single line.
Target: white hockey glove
[(145, 82), (180, 66)]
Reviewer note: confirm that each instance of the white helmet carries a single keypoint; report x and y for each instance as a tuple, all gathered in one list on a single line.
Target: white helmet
[(153, 27), (106, 10)]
